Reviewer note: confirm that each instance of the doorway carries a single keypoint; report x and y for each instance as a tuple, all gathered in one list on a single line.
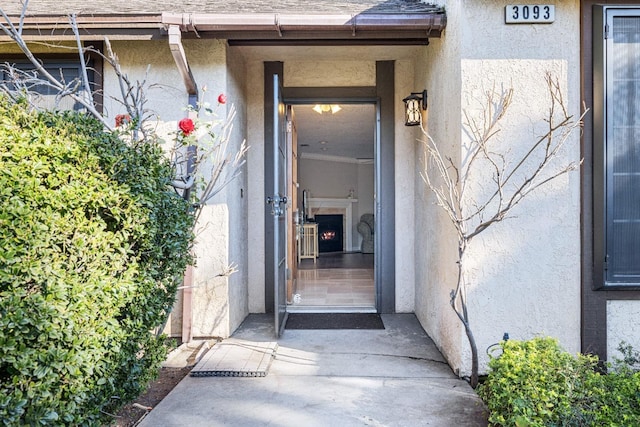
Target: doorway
[(382, 95), (335, 175)]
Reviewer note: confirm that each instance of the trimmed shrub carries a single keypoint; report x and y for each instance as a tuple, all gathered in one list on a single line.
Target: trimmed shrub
[(617, 400), (93, 245), (536, 383)]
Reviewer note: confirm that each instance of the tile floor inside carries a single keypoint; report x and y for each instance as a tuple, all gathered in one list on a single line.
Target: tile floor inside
[(318, 285)]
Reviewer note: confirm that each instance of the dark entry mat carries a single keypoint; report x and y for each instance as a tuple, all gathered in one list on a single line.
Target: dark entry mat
[(334, 321)]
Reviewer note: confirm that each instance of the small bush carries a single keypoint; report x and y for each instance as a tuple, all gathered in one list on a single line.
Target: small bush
[(93, 244), (536, 383)]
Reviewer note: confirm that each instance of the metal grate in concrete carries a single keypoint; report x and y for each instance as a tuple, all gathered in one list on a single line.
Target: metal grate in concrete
[(236, 358)]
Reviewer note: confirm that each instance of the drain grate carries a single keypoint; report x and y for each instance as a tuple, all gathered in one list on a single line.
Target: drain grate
[(236, 358), (254, 374)]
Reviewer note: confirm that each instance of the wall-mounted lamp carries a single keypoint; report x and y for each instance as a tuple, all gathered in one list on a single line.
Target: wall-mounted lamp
[(412, 106)]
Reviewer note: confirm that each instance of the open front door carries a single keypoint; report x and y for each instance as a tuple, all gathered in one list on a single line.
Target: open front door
[(292, 202), (278, 202)]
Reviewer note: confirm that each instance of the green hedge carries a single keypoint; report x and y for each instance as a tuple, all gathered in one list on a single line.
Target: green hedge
[(93, 245), (536, 383)]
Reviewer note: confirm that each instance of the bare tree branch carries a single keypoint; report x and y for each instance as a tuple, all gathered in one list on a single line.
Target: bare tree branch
[(536, 168), (58, 84), (83, 64), (22, 15)]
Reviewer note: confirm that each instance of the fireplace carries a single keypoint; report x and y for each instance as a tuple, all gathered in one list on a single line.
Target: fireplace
[(319, 206), (330, 233)]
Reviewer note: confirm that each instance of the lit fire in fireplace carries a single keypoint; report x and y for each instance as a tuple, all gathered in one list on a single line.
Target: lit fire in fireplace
[(328, 235)]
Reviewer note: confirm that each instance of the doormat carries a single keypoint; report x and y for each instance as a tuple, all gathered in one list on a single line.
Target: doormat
[(334, 321), (236, 358)]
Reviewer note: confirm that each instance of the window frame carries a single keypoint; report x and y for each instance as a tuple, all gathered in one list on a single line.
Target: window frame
[(602, 15), (94, 61)]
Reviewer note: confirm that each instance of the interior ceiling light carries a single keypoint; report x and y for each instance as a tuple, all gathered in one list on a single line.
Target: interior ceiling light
[(326, 108)]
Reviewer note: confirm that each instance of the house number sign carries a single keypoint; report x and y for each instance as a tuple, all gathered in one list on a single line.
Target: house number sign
[(529, 13)]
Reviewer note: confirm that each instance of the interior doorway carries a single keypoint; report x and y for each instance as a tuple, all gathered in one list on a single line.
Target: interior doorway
[(332, 252)]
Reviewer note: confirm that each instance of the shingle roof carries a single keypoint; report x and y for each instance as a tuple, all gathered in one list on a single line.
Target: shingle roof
[(84, 7), (381, 21)]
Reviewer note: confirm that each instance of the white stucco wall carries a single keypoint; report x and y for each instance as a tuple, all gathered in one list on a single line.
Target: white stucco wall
[(331, 73), (438, 70), (237, 199), (405, 161), (524, 273), (622, 326), (255, 184), (221, 233)]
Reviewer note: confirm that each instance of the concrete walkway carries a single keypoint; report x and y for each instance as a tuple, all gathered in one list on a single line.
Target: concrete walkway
[(390, 377)]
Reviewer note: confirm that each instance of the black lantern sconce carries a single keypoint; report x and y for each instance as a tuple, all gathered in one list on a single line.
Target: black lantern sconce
[(413, 104)]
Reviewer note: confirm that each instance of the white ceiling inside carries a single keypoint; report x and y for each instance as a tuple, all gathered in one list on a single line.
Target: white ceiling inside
[(348, 134)]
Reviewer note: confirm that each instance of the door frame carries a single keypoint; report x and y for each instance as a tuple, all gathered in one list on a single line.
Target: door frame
[(382, 95)]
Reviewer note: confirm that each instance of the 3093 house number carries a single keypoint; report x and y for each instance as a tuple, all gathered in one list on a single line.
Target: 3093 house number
[(529, 13)]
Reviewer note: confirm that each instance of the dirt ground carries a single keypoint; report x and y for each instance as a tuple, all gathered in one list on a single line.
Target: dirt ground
[(168, 378)]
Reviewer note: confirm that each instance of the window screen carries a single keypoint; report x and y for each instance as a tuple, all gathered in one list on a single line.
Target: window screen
[(622, 146)]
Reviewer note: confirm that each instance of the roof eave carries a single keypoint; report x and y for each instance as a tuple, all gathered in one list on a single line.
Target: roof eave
[(268, 27), (92, 27), (298, 26)]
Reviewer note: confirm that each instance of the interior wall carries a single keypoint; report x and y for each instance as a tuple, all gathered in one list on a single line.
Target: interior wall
[(365, 195), (334, 180), (326, 178)]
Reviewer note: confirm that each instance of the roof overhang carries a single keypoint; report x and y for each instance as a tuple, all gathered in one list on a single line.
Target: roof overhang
[(92, 27), (251, 28)]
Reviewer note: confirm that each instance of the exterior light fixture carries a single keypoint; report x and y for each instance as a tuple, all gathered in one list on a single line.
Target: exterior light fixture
[(326, 108), (412, 105)]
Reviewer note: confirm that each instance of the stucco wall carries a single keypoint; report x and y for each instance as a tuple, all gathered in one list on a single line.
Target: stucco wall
[(331, 73), (237, 199), (438, 70), (622, 326), (220, 236), (255, 184), (523, 272), (405, 161), (57, 47)]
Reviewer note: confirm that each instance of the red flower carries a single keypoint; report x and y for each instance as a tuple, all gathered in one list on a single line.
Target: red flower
[(186, 126), (222, 98), (122, 119)]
